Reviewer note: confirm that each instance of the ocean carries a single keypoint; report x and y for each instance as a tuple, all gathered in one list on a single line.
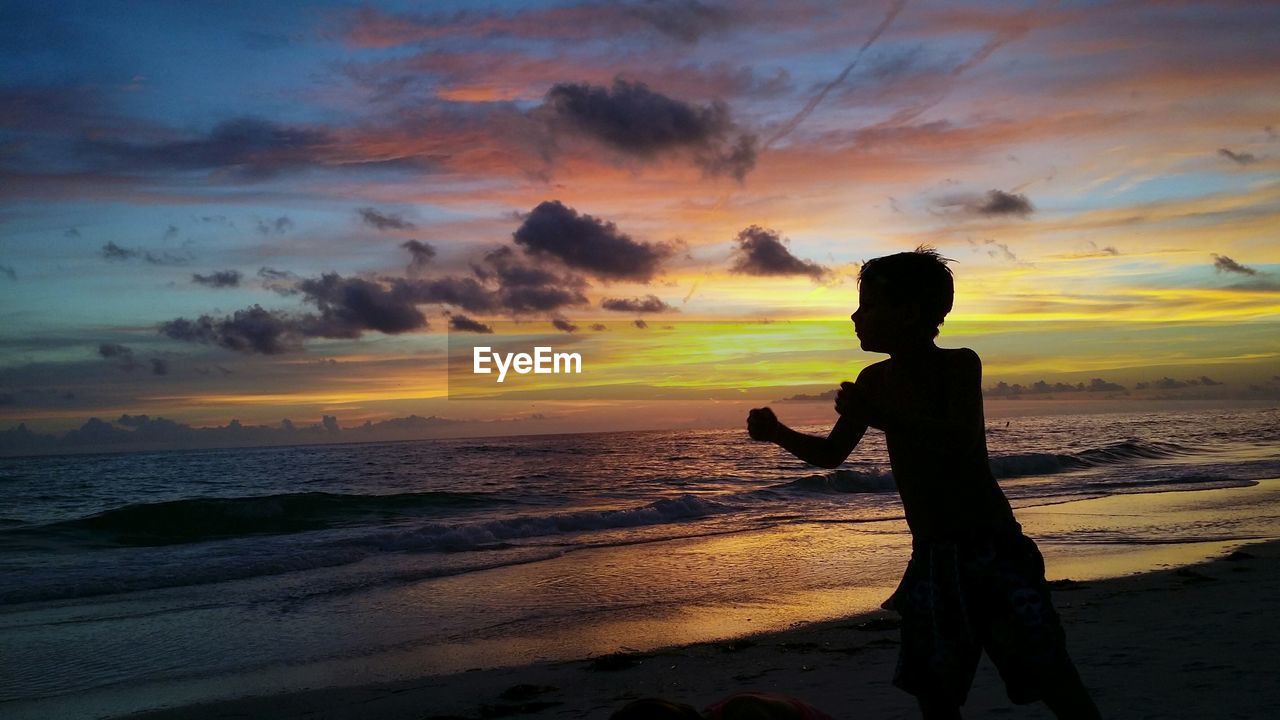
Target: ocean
[(132, 581)]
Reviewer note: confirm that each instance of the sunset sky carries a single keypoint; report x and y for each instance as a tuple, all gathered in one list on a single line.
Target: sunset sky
[(270, 210)]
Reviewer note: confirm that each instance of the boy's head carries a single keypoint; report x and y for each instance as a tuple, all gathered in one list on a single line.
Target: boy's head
[(918, 280)]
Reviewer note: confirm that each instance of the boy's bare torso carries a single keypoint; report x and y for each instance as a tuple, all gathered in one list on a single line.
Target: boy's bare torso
[(929, 406)]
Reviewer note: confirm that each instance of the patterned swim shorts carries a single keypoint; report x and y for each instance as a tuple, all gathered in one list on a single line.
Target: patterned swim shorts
[(959, 598)]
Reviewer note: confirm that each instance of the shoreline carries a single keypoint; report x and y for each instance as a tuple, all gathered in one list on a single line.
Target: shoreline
[(1195, 641)]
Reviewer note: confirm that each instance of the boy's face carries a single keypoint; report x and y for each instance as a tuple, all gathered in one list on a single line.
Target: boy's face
[(878, 323)]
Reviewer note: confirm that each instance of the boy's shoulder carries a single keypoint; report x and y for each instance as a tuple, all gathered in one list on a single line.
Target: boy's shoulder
[(958, 359), (962, 357), (875, 370)]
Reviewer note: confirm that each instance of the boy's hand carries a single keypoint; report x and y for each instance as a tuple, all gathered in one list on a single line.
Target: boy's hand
[(762, 425), (852, 402)]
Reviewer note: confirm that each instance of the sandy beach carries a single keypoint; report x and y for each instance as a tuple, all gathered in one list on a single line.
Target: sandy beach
[(1191, 642)]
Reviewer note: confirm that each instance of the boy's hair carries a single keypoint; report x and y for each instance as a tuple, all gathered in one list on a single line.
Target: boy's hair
[(920, 276)]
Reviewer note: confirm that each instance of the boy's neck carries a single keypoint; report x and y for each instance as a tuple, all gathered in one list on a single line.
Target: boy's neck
[(913, 350)]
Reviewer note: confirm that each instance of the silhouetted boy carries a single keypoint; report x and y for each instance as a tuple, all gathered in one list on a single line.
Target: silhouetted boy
[(975, 581)]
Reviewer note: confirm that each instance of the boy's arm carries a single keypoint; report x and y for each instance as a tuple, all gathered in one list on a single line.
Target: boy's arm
[(826, 452), (959, 425)]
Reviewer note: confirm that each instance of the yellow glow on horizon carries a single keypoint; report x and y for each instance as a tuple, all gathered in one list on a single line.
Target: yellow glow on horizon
[(393, 391)]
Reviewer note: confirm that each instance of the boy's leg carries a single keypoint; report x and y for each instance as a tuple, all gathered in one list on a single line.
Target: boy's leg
[(1025, 638), (940, 651), (1069, 700)]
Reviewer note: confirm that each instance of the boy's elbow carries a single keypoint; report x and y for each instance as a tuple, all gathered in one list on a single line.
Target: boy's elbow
[(826, 462), (830, 462)]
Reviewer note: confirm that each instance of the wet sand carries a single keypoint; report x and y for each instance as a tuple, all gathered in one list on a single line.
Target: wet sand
[(1195, 642)]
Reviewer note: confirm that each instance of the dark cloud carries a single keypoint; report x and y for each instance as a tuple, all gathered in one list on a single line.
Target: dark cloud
[(171, 232), (219, 279), (421, 255), (1222, 263), (159, 366), (280, 282), (539, 298), (998, 202), (647, 304), (253, 330), (1168, 383), (563, 325), (462, 323), (383, 221), (1100, 385), (734, 159), (114, 252), (279, 226), (8, 272), (1238, 158), (828, 396), (632, 119), (763, 252), (589, 244), (349, 306), (1040, 387), (503, 266), (71, 233), (250, 148), (463, 292), (143, 431), (526, 288), (114, 350), (121, 353), (994, 203)]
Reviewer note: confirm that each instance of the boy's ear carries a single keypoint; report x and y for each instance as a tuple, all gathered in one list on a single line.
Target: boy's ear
[(913, 316), (911, 313)]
